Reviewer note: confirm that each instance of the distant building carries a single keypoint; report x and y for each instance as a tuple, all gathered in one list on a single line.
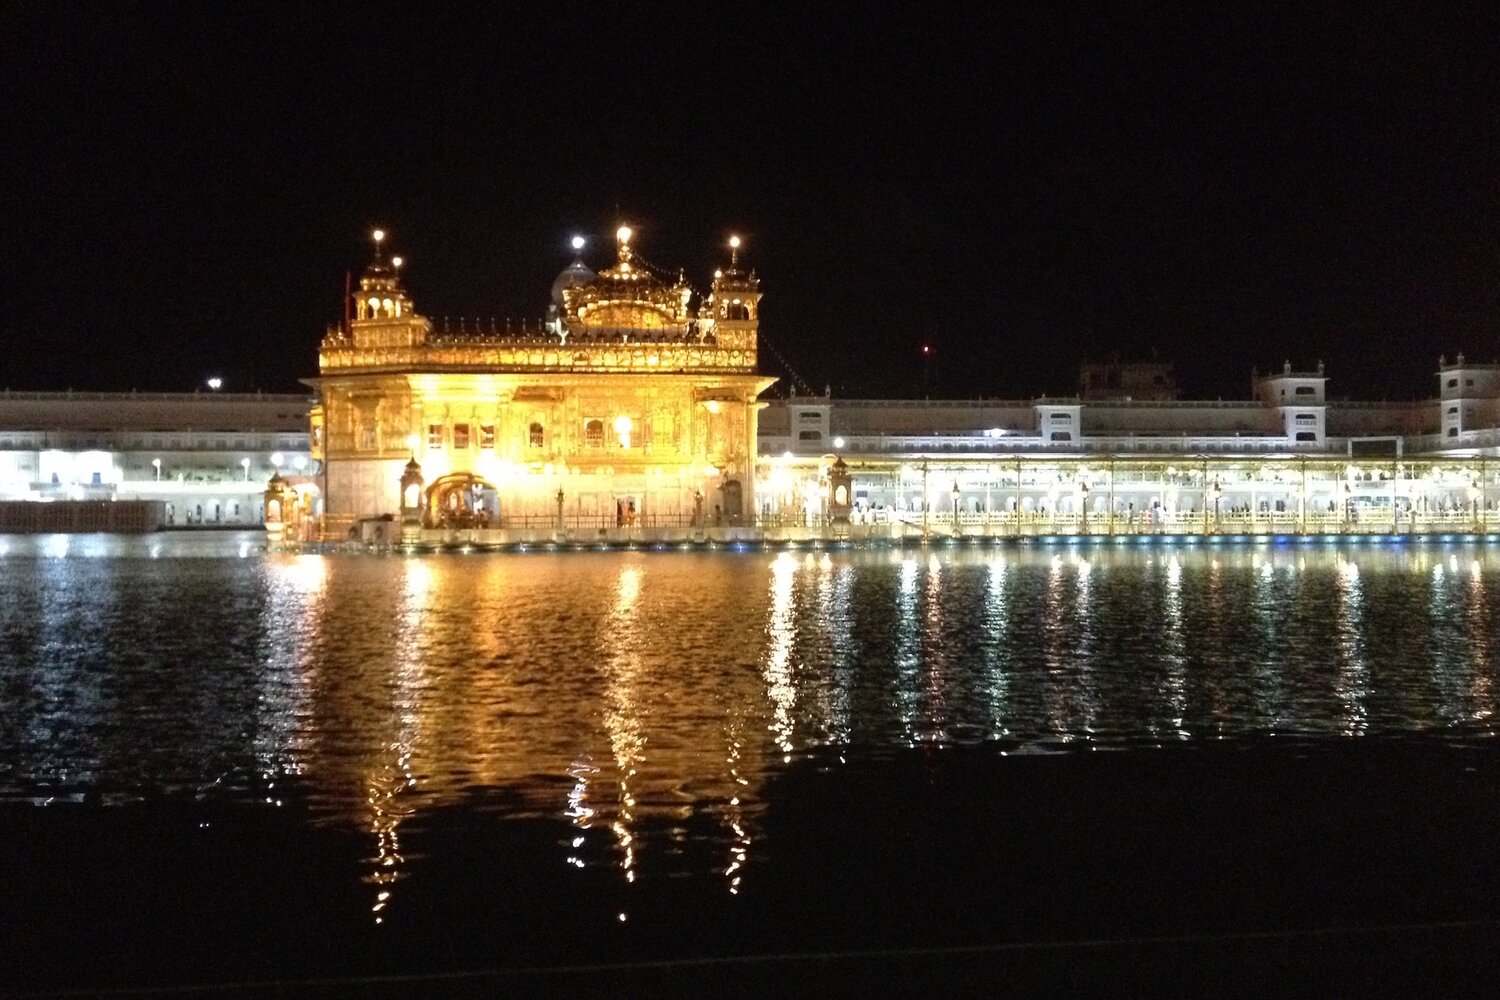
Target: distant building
[(204, 456), (1288, 458), (1133, 380)]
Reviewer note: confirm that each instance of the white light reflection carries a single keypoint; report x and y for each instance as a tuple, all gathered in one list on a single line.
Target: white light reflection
[(937, 657), (1353, 672), (1174, 648), (1481, 656), (291, 619), (907, 654), (996, 639), (782, 629)]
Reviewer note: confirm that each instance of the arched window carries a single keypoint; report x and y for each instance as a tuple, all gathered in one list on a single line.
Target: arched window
[(535, 436), (593, 433), (390, 310)]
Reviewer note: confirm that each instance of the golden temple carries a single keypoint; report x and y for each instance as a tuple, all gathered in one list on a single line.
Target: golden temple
[(626, 406)]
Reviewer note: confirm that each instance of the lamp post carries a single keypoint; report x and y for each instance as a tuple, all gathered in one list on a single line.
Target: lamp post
[(560, 499), (156, 464), (1083, 506), (1217, 489), (955, 495), (245, 464)]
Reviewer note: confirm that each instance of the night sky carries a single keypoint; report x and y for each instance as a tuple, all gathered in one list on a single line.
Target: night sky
[(184, 187)]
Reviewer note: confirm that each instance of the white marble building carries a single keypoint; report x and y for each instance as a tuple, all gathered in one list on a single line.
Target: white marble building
[(205, 455)]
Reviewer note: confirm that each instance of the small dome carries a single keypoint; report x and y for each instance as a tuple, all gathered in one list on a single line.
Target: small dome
[(576, 273)]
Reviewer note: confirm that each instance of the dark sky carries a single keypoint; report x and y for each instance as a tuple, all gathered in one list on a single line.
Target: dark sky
[(185, 186)]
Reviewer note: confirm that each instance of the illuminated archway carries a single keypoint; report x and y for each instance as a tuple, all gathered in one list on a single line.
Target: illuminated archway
[(457, 500)]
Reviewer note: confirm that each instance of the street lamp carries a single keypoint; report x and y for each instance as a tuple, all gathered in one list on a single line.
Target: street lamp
[(955, 507), (1083, 505), (277, 459), (156, 464), (1217, 490), (560, 499), (245, 464)]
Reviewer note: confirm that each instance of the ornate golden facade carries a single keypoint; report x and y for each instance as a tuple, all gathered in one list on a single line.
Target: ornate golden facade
[(625, 408)]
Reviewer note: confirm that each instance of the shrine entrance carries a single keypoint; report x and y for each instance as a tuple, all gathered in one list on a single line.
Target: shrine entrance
[(461, 500)]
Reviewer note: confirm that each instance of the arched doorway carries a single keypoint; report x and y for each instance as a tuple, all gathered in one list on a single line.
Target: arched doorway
[(461, 500)]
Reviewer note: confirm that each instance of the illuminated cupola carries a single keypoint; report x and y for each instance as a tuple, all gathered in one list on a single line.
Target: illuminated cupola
[(575, 274), (731, 313), (383, 316), (629, 300)]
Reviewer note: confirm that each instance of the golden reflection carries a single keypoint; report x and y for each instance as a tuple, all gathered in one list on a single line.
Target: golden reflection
[(390, 786), (622, 716), (734, 819)]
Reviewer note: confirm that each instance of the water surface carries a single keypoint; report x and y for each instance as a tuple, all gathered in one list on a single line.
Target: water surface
[(498, 761)]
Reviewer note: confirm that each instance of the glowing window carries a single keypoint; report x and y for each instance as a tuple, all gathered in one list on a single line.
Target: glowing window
[(486, 435), (535, 436), (434, 435), (460, 435), (593, 433)]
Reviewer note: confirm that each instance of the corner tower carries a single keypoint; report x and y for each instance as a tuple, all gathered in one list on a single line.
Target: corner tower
[(383, 317), (731, 313)]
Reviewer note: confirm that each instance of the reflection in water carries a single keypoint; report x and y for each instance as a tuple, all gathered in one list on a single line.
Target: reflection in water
[(783, 632), (645, 699), (622, 713), (1353, 674)]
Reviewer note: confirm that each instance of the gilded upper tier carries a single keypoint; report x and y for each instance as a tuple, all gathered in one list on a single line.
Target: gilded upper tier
[(625, 318)]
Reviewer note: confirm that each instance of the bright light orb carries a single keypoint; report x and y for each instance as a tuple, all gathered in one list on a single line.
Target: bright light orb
[(378, 235), (397, 261), (216, 383), (623, 234), (734, 242), (277, 459), (579, 241)]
